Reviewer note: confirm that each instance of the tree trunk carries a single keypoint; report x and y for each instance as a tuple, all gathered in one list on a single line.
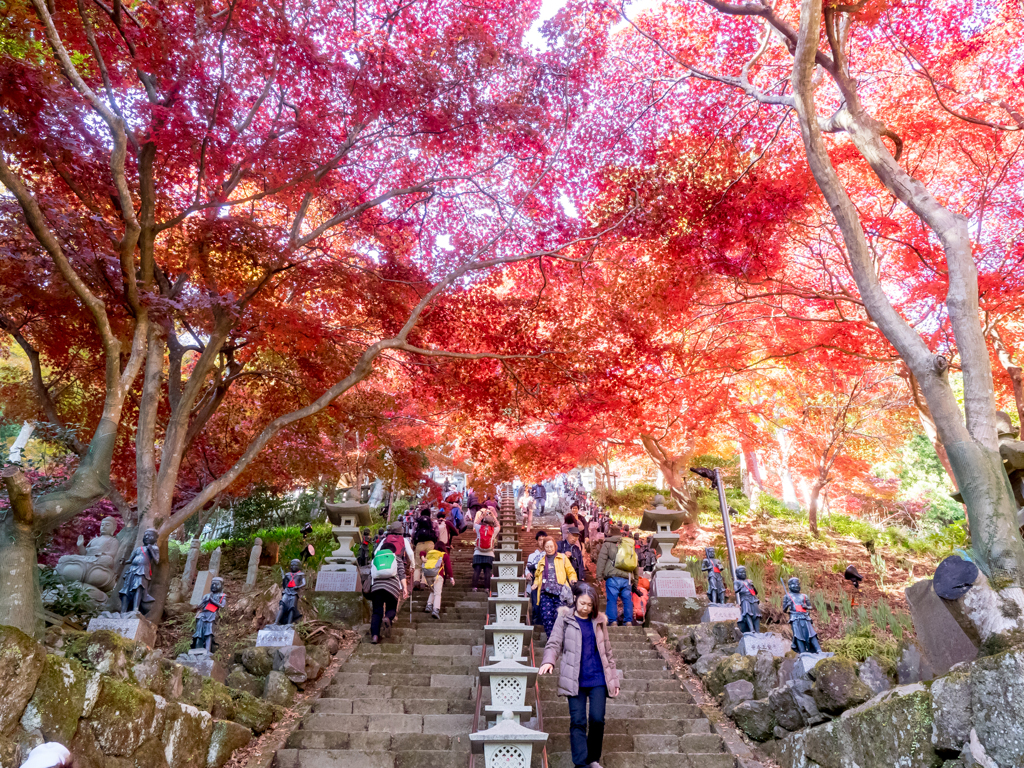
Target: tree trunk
[(970, 438), (672, 468), (21, 604), (812, 507)]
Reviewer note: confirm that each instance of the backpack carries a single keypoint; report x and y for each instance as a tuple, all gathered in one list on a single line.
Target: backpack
[(424, 530), (485, 539), (384, 566), (443, 535), (625, 556), (432, 563)]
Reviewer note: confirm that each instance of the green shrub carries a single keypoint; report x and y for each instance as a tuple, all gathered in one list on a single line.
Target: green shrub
[(65, 597), (843, 525)]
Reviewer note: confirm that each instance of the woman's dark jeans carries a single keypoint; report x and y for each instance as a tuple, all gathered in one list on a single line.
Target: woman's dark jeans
[(586, 735)]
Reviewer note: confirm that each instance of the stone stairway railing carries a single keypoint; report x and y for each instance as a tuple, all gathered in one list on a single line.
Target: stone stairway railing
[(507, 742)]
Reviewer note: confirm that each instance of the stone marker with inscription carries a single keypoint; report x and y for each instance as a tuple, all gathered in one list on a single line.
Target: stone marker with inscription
[(673, 583), (275, 636), (773, 642), (939, 634), (337, 581), (720, 612), (133, 626)]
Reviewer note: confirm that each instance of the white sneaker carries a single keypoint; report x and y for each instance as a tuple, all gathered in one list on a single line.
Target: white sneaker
[(428, 609), (595, 764)]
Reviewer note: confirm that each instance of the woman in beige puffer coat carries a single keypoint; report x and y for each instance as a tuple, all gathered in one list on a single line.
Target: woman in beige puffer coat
[(587, 673)]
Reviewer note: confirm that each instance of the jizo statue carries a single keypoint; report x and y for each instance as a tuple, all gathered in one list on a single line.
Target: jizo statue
[(750, 605), (292, 583), (716, 583), (797, 605), (209, 607), (138, 573)]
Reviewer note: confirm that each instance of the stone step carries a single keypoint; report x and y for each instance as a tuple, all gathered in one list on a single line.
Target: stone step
[(377, 741), (417, 706), (648, 725), (353, 690), (325, 758), (636, 760), (393, 723)]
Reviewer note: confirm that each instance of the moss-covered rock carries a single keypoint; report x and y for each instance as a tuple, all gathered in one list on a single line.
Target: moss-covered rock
[(161, 676), (186, 736), (105, 652), (207, 694), (241, 680), (893, 729), (836, 686), (258, 661), (766, 673), (21, 663), (986, 694), (254, 713), (58, 700), (755, 718), (729, 670), (224, 740), (150, 755), (279, 689), (125, 716)]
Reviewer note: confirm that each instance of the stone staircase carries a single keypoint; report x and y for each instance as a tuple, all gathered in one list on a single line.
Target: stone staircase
[(408, 702)]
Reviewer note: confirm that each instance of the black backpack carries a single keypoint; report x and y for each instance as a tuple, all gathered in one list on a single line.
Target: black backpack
[(424, 530)]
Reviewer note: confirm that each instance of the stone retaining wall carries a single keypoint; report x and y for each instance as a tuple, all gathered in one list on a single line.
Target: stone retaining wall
[(116, 703)]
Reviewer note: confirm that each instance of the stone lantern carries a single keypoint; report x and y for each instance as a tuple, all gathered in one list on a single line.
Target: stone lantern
[(508, 640), (507, 569), (508, 586), (509, 681), (663, 521), (338, 580), (507, 744), (508, 555), (508, 610)]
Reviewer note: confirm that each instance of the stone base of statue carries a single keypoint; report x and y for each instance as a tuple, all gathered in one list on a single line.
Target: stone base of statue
[(278, 636), (200, 660), (720, 612), (133, 626), (347, 609), (773, 642), (675, 610)]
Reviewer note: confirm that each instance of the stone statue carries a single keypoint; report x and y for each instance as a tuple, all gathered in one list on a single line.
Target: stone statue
[(95, 565), (138, 573), (750, 605), (188, 575), (209, 607), (292, 582), (1011, 450), (797, 605), (713, 568)]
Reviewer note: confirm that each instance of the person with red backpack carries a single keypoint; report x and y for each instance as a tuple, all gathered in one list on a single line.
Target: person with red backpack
[(486, 528)]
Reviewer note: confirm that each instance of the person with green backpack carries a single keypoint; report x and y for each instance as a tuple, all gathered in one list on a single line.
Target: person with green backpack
[(617, 565)]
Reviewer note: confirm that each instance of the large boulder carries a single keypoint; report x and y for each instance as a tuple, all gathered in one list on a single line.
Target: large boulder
[(186, 736), (836, 686), (755, 718), (874, 675), (703, 666), (241, 680), (793, 705), (736, 693), (58, 700), (21, 663), (687, 647), (986, 695), (258, 661), (207, 694), (105, 652), (279, 689), (123, 716), (893, 729), (765, 674), (703, 639), (225, 738), (254, 713), (728, 670)]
